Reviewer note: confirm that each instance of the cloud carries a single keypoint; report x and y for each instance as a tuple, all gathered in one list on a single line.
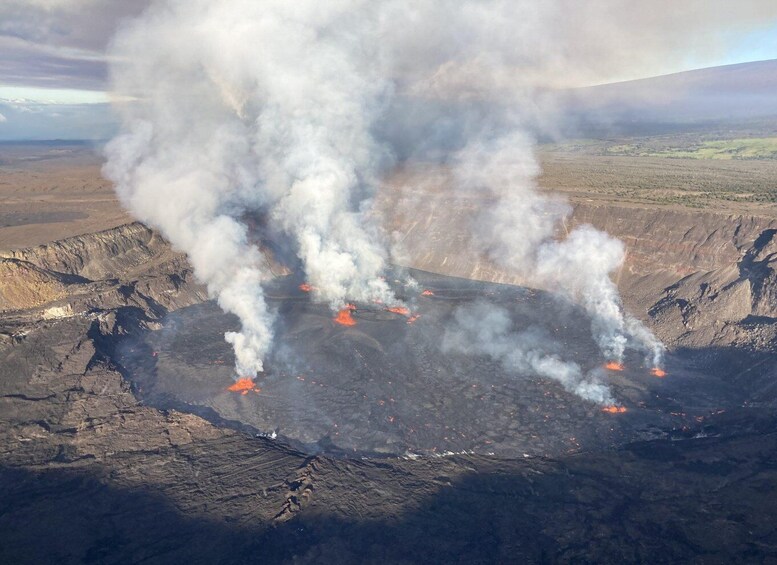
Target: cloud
[(59, 43), (33, 120), (79, 24), (62, 43)]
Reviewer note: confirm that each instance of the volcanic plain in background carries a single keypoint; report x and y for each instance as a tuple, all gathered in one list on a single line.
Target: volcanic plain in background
[(80, 442), (53, 190)]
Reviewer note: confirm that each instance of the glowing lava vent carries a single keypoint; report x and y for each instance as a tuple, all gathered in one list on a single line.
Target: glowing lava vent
[(614, 366), (614, 409), (657, 372), (344, 317), (399, 310), (244, 386)]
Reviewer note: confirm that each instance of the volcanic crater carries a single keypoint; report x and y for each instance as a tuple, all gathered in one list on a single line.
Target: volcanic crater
[(84, 439), (382, 384)]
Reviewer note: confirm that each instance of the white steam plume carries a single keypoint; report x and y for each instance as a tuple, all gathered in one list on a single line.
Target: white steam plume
[(485, 329), (293, 110), (254, 107), (520, 232)]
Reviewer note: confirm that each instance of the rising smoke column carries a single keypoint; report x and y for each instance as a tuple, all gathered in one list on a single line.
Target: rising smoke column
[(253, 107), (520, 232), (486, 329), (292, 112)]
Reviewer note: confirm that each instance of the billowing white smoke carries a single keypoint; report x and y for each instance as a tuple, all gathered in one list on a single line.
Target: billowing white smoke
[(520, 232), (485, 329), (253, 107), (292, 111)]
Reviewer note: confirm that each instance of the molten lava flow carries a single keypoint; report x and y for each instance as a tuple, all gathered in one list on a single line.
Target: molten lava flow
[(614, 409), (399, 310), (614, 366), (656, 372), (344, 317), (305, 287), (427, 292), (413, 318), (244, 386)]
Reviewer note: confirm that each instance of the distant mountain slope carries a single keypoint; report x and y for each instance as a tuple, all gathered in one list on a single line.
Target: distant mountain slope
[(739, 92)]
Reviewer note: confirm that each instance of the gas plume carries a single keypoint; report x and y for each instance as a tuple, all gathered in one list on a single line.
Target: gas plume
[(294, 111), (485, 329), (519, 233)]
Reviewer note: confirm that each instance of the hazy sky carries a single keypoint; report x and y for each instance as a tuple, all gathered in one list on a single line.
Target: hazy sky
[(53, 68)]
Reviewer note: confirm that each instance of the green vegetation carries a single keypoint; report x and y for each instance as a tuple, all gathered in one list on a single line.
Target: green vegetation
[(696, 183), (742, 149), (722, 166)]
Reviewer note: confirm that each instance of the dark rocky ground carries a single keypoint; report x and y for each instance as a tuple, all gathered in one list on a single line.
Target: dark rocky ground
[(387, 387), (95, 470), (89, 474)]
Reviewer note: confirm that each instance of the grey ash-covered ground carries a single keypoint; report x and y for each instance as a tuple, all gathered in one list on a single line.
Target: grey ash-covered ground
[(385, 386)]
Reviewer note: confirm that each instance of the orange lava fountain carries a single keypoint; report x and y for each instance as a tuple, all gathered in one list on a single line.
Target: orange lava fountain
[(614, 409), (614, 366), (656, 372), (344, 317), (244, 386)]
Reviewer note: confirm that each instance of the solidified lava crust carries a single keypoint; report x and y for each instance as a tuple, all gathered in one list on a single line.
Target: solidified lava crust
[(381, 386)]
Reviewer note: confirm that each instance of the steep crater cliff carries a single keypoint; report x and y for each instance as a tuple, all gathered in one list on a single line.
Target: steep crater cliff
[(87, 462), (697, 278)]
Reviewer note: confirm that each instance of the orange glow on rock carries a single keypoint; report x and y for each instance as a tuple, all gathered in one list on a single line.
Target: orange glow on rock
[(427, 292), (399, 310), (305, 287), (244, 386), (614, 409), (344, 317), (614, 366), (657, 372)]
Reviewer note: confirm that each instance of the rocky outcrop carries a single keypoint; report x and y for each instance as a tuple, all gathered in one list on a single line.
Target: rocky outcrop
[(129, 265), (693, 273), (690, 274), (686, 272), (682, 241), (110, 254), (24, 285), (121, 266)]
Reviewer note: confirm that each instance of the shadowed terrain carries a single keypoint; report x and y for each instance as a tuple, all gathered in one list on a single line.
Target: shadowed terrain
[(122, 443)]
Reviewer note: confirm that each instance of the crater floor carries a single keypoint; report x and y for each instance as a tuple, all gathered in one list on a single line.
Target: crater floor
[(385, 385)]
